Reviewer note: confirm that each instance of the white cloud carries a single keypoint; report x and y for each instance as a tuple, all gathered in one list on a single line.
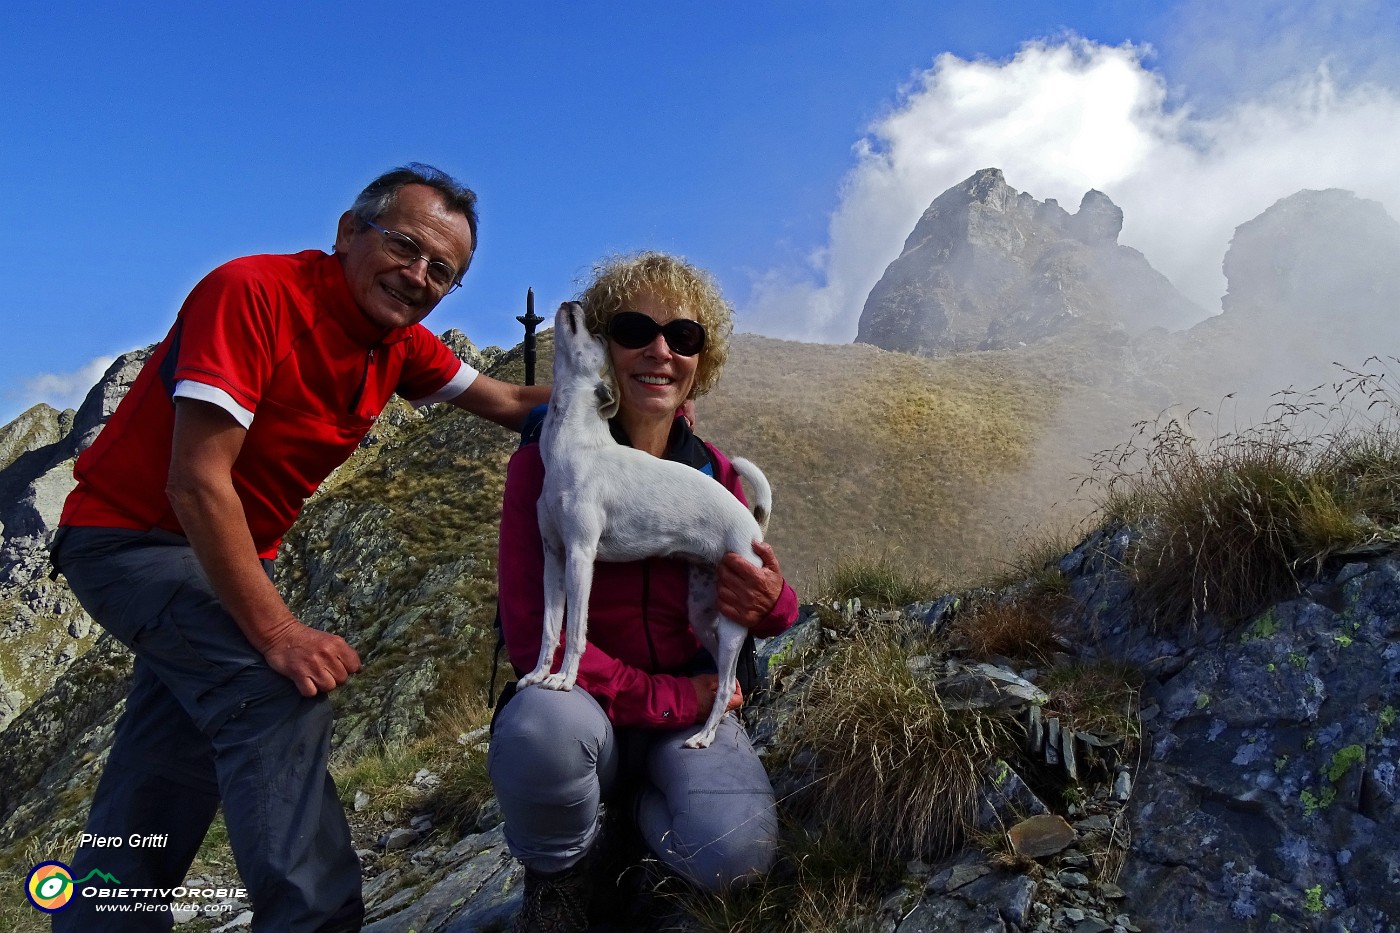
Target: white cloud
[(62, 390), (1063, 117)]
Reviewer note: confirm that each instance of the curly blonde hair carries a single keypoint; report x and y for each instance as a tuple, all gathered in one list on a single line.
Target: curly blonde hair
[(618, 281)]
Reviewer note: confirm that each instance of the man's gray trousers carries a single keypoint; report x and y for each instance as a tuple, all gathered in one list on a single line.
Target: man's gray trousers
[(206, 720)]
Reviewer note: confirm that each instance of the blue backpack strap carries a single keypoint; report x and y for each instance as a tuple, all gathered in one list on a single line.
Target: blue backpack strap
[(534, 423)]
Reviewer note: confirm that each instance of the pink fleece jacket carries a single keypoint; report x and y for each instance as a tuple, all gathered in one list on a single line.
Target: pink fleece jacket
[(638, 632)]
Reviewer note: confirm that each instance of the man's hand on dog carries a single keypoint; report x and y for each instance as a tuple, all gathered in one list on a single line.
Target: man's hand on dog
[(706, 686), (746, 593)]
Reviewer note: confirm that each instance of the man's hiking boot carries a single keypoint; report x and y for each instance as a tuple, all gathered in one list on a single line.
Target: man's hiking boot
[(556, 903)]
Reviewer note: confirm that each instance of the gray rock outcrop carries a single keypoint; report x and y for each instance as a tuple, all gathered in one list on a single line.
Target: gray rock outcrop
[(42, 627), (989, 267), (1269, 794)]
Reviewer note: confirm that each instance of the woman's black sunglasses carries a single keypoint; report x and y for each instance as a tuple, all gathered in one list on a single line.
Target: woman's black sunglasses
[(634, 330)]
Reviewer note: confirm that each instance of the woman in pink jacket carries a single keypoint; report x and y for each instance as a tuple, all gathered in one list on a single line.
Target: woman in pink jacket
[(707, 814)]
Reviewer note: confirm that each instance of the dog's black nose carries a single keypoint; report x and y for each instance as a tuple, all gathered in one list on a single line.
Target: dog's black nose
[(571, 310)]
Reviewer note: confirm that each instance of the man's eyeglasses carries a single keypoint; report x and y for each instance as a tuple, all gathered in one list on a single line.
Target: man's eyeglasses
[(405, 252), (634, 330)]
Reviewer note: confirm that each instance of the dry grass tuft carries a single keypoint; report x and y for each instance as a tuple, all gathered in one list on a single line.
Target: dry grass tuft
[(896, 769), (387, 773), (1023, 631), (16, 913), (1233, 521), (1095, 696)]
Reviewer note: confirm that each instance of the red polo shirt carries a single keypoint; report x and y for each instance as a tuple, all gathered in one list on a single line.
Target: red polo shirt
[(279, 343)]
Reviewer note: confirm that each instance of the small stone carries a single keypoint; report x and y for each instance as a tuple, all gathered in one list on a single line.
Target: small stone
[(1122, 786), (1035, 730), (489, 816), (474, 736), (1091, 925), (1040, 836), (987, 686), (398, 839), (1067, 751), (361, 800), (244, 919), (1100, 741), (965, 874), (1073, 879), (1111, 891)]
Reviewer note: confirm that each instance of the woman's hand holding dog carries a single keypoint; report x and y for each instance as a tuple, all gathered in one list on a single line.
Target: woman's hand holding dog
[(706, 685), (746, 593)]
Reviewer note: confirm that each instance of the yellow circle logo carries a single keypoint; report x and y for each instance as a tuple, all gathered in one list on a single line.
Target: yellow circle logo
[(50, 886)]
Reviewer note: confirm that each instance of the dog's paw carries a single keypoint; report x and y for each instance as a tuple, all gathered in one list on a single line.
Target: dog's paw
[(534, 677), (560, 681), (701, 739)]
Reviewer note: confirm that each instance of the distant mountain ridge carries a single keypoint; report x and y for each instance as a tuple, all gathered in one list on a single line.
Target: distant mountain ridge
[(1311, 281)]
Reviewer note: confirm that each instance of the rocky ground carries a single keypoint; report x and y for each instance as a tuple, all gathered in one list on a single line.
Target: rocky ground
[(1264, 795)]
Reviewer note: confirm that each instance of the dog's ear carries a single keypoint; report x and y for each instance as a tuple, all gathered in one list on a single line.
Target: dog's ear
[(606, 393)]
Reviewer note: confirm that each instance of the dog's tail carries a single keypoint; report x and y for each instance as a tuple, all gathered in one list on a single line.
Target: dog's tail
[(762, 505)]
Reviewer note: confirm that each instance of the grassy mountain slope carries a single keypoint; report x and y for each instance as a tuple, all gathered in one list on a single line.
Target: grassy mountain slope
[(945, 464)]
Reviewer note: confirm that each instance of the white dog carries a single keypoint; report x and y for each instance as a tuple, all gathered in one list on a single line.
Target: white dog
[(604, 501)]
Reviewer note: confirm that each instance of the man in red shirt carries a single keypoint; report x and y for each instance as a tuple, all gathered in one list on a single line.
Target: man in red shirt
[(273, 372)]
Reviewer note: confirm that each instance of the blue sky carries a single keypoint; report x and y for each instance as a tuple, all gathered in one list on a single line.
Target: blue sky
[(787, 146)]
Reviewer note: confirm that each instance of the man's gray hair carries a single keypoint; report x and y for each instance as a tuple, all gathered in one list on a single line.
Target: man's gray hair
[(379, 196)]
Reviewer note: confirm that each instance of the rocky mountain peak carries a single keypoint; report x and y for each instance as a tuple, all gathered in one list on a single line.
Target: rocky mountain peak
[(1098, 220), (1313, 282), (988, 267), (1315, 251)]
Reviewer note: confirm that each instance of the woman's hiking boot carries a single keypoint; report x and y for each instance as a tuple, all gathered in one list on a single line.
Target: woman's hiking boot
[(554, 903)]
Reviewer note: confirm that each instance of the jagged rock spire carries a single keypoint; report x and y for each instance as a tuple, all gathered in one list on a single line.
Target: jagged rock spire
[(987, 267)]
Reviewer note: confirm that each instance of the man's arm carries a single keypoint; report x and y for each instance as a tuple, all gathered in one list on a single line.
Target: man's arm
[(505, 403), (206, 443)]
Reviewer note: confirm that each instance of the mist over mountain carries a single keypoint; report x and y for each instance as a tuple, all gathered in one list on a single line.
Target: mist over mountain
[(1312, 282), (1312, 285)]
